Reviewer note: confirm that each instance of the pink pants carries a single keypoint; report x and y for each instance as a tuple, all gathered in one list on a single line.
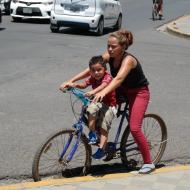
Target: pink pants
[(138, 101)]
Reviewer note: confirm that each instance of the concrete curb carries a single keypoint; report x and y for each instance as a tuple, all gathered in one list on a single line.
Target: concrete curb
[(180, 27), (54, 182)]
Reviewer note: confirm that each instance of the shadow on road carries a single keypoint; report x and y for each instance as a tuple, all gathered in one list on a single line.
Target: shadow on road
[(104, 169), (82, 32)]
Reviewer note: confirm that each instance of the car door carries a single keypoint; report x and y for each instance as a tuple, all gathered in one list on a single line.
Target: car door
[(114, 12), (107, 12)]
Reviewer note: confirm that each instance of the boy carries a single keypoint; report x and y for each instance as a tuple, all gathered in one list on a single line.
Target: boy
[(100, 115)]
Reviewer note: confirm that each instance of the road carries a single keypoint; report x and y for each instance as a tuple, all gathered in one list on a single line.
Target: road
[(34, 62)]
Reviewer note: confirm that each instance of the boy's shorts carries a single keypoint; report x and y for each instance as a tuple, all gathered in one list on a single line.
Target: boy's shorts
[(103, 114)]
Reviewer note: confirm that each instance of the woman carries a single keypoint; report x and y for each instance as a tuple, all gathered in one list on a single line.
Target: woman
[(130, 81)]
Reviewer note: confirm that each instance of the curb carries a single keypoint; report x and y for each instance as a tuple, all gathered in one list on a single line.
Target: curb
[(178, 26), (53, 182)]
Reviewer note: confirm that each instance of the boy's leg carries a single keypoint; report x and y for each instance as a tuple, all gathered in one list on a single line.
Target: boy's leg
[(91, 122), (103, 138), (92, 111), (105, 118), (106, 115)]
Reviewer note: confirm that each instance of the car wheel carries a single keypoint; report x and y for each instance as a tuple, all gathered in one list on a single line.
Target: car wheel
[(54, 28), (100, 29), (17, 19), (119, 23)]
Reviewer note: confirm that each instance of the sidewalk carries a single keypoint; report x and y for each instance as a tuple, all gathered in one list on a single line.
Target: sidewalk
[(170, 178), (180, 26)]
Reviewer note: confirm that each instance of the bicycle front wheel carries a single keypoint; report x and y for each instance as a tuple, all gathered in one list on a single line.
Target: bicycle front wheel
[(48, 163), (155, 132)]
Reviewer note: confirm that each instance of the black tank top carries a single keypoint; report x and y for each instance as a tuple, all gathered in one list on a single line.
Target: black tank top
[(134, 79)]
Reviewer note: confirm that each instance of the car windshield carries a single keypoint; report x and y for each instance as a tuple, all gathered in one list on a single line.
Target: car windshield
[(75, 7), (72, 3)]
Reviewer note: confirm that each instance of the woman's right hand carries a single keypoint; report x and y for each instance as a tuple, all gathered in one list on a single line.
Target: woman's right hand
[(66, 85), (99, 97)]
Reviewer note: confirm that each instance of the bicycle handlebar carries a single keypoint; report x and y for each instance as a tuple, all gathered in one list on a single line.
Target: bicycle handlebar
[(79, 94)]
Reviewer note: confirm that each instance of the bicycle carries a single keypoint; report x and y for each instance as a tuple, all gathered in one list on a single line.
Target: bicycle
[(155, 12), (67, 152)]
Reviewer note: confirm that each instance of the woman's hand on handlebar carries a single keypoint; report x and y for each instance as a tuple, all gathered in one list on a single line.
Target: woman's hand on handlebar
[(99, 97)]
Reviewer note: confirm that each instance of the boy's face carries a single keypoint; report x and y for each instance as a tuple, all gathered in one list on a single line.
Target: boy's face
[(97, 71)]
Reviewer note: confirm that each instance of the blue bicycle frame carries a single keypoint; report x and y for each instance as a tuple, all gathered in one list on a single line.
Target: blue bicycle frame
[(83, 121), (79, 125)]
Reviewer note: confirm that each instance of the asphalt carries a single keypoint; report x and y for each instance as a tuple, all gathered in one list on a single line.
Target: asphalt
[(170, 178)]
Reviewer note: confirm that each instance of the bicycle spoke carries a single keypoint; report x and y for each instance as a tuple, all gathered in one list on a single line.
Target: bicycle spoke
[(155, 132)]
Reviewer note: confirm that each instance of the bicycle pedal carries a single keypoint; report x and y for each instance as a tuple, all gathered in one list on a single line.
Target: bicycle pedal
[(116, 156), (108, 158)]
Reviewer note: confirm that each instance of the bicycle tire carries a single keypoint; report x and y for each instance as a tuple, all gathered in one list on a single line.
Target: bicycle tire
[(155, 131), (46, 162)]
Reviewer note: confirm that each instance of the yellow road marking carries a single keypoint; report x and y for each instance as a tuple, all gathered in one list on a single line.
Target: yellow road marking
[(52, 182)]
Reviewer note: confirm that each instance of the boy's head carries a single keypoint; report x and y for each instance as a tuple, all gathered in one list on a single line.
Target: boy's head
[(97, 67)]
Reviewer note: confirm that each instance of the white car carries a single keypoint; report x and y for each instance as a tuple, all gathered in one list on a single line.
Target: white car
[(94, 15), (31, 9)]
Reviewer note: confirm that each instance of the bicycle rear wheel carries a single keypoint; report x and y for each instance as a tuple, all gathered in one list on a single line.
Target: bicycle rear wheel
[(47, 162), (155, 131)]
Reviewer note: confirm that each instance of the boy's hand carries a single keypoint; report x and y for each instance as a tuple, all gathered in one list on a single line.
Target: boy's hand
[(89, 94), (66, 85)]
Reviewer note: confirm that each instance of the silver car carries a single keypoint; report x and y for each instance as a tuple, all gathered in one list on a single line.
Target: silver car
[(94, 15)]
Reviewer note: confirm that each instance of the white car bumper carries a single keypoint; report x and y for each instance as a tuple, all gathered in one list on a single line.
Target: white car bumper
[(36, 11), (74, 21)]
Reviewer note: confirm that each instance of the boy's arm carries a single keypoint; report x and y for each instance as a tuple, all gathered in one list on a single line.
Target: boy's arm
[(80, 85), (96, 90), (77, 77)]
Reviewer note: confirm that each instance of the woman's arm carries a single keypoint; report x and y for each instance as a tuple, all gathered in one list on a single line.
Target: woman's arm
[(127, 65), (77, 77), (106, 56)]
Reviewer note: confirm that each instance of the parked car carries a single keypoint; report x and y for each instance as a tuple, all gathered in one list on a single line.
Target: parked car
[(94, 15), (6, 6), (32, 9)]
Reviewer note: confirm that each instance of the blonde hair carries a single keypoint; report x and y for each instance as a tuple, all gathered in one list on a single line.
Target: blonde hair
[(124, 37)]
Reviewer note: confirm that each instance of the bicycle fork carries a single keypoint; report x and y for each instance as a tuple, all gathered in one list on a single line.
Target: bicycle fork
[(78, 132)]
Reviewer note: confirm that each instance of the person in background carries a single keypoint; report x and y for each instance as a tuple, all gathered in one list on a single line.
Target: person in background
[(160, 6)]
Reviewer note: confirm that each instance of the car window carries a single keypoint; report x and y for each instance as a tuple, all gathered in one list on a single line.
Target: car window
[(75, 7), (69, 4)]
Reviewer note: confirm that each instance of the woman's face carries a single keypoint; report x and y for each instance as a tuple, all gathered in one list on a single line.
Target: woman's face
[(114, 48)]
